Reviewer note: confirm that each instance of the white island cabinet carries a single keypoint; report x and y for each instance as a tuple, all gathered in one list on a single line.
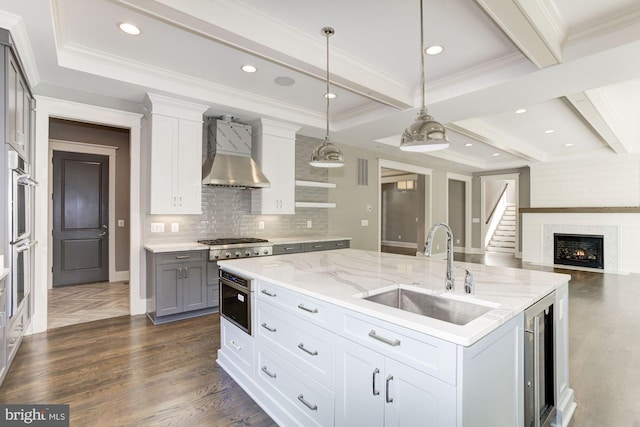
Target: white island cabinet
[(321, 355)]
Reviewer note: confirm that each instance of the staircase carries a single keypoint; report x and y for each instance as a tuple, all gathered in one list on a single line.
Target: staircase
[(504, 238)]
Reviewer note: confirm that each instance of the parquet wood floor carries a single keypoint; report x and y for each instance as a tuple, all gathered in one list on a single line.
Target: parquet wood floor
[(69, 305)]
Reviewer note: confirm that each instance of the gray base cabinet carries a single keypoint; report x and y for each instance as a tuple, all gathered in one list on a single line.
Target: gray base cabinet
[(294, 248), (177, 286)]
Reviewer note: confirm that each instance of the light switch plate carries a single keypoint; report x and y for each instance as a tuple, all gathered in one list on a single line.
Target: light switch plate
[(157, 227), (175, 227), (309, 224), (121, 223), (364, 222), (260, 225)]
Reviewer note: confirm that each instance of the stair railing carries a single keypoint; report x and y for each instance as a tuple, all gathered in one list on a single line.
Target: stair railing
[(495, 215)]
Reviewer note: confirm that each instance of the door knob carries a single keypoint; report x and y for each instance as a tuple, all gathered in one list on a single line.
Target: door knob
[(104, 233)]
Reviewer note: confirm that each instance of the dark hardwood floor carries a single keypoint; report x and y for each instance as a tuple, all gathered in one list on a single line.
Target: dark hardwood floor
[(125, 372)]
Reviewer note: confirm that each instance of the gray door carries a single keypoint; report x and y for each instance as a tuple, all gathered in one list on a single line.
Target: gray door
[(80, 218)]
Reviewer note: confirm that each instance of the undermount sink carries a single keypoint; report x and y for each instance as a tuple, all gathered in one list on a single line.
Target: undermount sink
[(437, 307)]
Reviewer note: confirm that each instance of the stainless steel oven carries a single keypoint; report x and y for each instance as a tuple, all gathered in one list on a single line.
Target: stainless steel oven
[(20, 203), (21, 186), (236, 295), (540, 364)]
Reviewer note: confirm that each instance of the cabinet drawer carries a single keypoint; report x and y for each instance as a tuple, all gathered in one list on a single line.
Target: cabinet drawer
[(324, 246), (306, 346), (237, 343), (309, 402), (170, 257), (430, 355), (308, 308), (290, 248)]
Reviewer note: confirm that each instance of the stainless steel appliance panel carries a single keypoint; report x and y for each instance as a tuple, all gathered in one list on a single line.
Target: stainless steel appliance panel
[(235, 300), (540, 364)]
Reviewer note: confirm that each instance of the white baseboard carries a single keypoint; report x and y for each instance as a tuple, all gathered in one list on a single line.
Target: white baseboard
[(119, 276), (399, 244)]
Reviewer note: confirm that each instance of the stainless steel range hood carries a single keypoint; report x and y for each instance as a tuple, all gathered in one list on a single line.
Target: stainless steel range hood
[(228, 162)]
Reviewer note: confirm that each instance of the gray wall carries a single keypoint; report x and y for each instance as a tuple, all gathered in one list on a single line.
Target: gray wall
[(226, 212), (399, 214), (457, 208), (87, 133)]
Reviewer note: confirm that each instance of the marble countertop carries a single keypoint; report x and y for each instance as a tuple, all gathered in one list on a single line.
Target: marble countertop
[(343, 276), (175, 247), (195, 246)]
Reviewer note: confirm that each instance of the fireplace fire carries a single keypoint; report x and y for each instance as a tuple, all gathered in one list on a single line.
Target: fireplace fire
[(582, 250)]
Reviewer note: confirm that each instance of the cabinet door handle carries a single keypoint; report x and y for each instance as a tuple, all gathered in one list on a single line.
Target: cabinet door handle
[(393, 343), (233, 344), (268, 328), (186, 273), (373, 382), (307, 404), (174, 201), (309, 310), (267, 293), (303, 348), (387, 397), (179, 273), (180, 201), (266, 371), (183, 256)]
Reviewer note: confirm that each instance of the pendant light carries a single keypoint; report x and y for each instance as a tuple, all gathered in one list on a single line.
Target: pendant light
[(327, 154), (425, 134)]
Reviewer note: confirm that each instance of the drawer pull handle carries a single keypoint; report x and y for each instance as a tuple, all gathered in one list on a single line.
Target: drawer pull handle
[(290, 248), (268, 328), (393, 343), (307, 404), (309, 310), (373, 385), (317, 246), (339, 244), (183, 256), (302, 347), (267, 293), (389, 399), (233, 344), (266, 371)]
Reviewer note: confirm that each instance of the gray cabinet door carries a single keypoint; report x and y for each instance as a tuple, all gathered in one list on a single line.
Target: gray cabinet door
[(168, 289), (194, 286)]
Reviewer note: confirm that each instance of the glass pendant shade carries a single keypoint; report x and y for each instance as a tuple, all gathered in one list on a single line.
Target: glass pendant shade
[(425, 134), (327, 155)]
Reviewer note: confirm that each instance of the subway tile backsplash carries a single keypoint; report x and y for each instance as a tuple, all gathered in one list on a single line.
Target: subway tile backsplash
[(226, 212)]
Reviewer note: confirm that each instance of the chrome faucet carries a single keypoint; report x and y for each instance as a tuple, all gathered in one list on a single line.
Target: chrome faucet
[(449, 285)]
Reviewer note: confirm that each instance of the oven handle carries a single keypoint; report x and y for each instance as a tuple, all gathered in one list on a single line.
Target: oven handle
[(234, 285), (536, 369), (27, 180)]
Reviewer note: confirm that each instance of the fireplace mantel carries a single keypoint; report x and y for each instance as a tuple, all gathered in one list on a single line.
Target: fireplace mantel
[(605, 210)]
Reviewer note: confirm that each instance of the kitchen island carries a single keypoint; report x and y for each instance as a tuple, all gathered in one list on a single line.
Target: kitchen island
[(319, 353)]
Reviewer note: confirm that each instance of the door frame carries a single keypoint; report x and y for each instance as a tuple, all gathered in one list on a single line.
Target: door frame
[(483, 215), (103, 150), (391, 164), (62, 109), (467, 205)]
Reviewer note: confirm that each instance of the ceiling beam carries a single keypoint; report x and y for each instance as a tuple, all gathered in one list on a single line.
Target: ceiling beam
[(534, 26), (593, 108)]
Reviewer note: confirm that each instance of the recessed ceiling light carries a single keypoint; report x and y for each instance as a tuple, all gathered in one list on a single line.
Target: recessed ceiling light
[(568, 144), (249, 69), (520, 111), (468, 144), (330, 95), (129, 28), (284, 81), (549, 131), (496, 154), (434, 50)]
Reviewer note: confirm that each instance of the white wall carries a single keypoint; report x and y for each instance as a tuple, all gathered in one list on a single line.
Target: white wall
[(605, 182)]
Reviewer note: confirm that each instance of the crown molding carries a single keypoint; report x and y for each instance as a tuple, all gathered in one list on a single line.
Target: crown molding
[(15, 25)]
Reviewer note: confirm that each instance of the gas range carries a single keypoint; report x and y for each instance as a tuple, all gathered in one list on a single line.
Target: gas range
[(237, 247)]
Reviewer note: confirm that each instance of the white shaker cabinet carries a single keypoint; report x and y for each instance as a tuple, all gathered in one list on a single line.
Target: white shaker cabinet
[(176, 155), (274, 149), (378, 391)]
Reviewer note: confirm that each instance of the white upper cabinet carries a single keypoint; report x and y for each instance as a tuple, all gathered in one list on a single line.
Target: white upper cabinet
[(176, 155), (274, 149)]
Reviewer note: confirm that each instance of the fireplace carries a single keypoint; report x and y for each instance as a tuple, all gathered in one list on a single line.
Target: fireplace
[(582, 250)]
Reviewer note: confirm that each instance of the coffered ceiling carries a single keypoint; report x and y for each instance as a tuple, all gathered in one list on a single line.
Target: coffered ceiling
[(574, 65)]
